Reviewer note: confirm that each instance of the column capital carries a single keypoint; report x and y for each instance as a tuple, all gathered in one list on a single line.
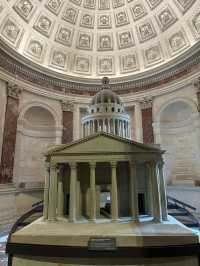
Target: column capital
[(113, 164), (132, 163), (151, 163), (73, 165), (67, 106), (92, 164), (53, 167), (13, 90), (146, 102)]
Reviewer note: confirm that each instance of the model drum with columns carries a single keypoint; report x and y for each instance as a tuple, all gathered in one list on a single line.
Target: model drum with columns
[(105, 201), (106, 113)]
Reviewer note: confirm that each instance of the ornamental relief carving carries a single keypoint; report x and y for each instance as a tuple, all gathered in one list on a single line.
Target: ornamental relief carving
[(121, 18), (11, 31), (117, 3), (178, 42), (87, 21), (70, 15), (84, 41), (104, 21), (43, 25), (146, 31), (58, 59), (184, 5), (105, 65), (82, 64), (125, 39), (153, 55), (196, 23), (54, 6), (36, 49), (91, 4), (105, 42), (138, 11), (128, 63), (104, 4), (166, 18), (64, 35), (25, 8)]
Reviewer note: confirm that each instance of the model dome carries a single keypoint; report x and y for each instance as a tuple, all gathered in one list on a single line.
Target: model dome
[(106, 113)]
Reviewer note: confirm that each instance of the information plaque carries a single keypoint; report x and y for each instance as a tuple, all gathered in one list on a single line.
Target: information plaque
[(104, 244)]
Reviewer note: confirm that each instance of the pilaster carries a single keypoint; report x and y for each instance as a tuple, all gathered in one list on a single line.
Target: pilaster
[(147, 120), (68, 109), (10, 132)]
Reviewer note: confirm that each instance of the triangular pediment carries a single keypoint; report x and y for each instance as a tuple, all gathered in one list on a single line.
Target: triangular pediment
[(102, 143)]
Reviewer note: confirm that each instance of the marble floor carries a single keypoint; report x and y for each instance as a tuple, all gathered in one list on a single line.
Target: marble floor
[(3, 256)]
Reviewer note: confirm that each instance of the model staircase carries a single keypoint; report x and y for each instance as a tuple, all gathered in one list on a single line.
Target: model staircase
[(182, 211)]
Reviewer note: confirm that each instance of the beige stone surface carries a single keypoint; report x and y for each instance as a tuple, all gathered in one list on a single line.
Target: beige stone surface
[(145, 233), (183, 261)]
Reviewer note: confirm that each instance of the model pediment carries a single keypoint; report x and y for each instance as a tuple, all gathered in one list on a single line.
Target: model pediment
[(103, 143)]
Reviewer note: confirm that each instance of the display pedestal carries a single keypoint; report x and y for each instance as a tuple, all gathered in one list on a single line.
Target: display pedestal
[(62, 243)]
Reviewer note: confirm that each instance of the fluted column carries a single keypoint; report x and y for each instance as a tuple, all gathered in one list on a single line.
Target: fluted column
[(123, 129), (53, 190), (104, 125), (157, 214), (109, 121), (118, 127), (163, 196), (133, 191), (46, 192), (72, 200), (114, 129), (114, 192), (60, 193), (92, 191), (93, 127)]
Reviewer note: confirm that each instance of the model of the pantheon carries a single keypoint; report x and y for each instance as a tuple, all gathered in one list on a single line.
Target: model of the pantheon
[(105, 201)]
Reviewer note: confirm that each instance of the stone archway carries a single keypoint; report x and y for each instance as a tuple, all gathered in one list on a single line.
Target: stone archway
[(36, 130), (178, 136)]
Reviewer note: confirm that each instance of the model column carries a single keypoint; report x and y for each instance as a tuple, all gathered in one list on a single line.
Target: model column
[(114, 193), (72, 201), (46, 192), (163, 196), (134, 192), (53, 188), (92, 191), (60, 192), (155, 192)]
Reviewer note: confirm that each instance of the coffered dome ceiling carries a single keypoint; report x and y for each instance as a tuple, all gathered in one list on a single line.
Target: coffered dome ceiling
[(88, 39)]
